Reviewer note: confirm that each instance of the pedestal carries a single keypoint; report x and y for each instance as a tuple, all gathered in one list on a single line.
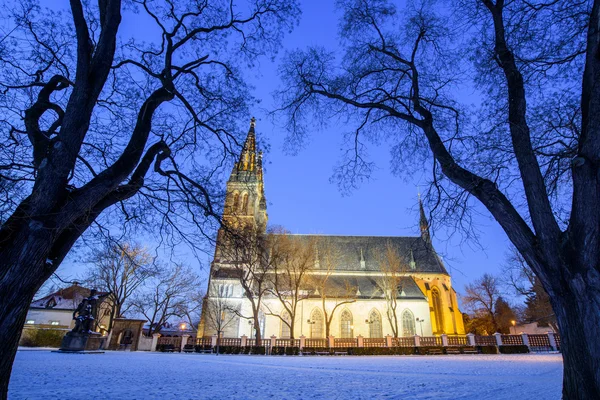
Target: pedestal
[(78, 342)]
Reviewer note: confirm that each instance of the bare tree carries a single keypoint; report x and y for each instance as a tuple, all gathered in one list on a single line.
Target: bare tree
[(393, 270), (246, 251), (332, 291), (219, 312), (165, 295), (523, 282), (135, 133), (193, 308), (480, 299), (292, 261), (529, 153), (120, 269)]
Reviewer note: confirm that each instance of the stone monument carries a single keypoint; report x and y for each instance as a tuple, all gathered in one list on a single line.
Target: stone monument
[(83, 337)]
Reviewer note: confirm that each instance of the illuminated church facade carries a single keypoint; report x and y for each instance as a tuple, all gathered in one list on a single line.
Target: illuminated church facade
[(425, 304)]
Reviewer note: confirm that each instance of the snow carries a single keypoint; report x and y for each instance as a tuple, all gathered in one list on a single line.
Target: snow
[(144, 375)]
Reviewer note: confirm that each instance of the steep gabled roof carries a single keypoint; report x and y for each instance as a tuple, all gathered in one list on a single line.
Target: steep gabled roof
[(63, 299), (352, 250), (366, 287)]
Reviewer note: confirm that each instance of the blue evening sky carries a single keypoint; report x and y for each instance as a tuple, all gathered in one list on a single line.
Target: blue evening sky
[(300, 196)]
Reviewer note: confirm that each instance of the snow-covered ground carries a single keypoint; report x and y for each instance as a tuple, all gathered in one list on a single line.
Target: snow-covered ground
[(141, 375)]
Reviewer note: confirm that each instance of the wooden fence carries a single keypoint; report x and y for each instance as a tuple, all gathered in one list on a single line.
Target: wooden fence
[(533, 343)]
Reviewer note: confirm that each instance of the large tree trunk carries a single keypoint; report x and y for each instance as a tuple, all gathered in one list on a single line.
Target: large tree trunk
[(13, 312), (577, 308), (23, 274), (257, 333)]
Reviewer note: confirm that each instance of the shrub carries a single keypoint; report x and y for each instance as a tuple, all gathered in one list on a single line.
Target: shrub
[(199, 348), (288, 351), (423, 351), (515, 349), (258, 350), (487, 349), (42, 338), (314, 350)]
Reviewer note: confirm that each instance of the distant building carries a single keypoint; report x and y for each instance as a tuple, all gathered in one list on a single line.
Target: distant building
[(427, 303), (532, 328), (56, 310)]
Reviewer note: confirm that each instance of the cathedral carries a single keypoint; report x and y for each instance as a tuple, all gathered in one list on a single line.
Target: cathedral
[(421, 301)]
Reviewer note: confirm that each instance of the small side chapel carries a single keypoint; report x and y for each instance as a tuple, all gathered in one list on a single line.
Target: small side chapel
[(426, 305)]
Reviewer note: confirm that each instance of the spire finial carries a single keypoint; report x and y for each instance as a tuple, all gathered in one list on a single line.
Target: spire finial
[(423, 223), (252, 122)]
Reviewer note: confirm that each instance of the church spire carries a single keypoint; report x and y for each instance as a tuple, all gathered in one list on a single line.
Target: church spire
[(245, 199), (423, 223), (247, 161)]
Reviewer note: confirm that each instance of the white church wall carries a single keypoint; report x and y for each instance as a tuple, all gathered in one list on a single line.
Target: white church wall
[(360, 311)]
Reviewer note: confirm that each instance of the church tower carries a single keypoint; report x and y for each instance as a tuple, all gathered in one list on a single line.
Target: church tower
[(245, 208), (245, 203)]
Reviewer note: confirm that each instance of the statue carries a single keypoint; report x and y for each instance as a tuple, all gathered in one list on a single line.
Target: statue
[(86, 312), (82, 337)]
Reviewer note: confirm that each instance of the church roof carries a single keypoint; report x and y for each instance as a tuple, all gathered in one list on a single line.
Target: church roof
[(415, 252), (365, 287)]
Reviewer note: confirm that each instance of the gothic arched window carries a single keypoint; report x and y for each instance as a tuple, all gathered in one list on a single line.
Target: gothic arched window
[(408, 323), (375, 330), (316, 327), (438, 312), (285, 328), (245, 204), (236, 203), (346, 324)]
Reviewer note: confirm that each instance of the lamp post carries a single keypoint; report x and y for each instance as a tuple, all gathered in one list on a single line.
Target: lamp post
[(420, 321), (309, 322), (513, 322)]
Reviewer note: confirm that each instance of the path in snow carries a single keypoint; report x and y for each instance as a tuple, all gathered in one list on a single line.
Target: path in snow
[(142, 375)]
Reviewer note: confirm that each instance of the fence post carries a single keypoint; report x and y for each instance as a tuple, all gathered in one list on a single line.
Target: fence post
[(155, 337), (388, 341), (498, 337), (273, 341), (331, 341), (360, 342), (525, 340), (417, 341), (184, 340), (552, 341), (244, 341), (302, 341), (471, 339), (213, 341), (444, 340)]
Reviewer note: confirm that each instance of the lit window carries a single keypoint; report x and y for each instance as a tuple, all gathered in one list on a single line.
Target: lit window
[(54, 323), (346, 324), (316, 327), (408, 323), (374, 320), (30, 322)]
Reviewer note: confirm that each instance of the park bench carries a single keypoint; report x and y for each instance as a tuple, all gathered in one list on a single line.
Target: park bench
[(168, 348), (208, 351), (452, 350), (188, 348), (340, 353), (434, 351), (469, 350)]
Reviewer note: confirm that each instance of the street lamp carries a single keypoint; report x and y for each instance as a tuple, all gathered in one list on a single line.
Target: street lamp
[(251, 330), (420, 321), (513, 322)]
